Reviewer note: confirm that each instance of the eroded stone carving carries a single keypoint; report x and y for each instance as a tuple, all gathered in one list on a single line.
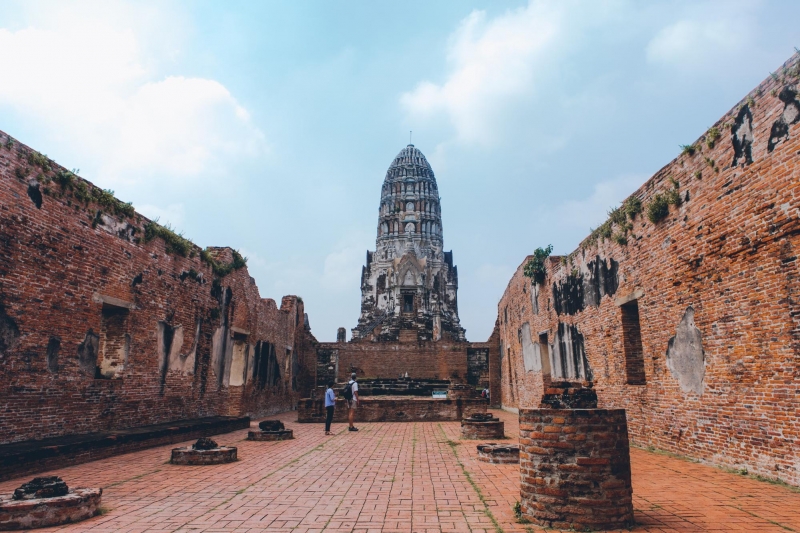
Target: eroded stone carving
[(685, 356)]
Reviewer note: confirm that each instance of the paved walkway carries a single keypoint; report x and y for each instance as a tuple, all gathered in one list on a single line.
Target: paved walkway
[(392, 477)]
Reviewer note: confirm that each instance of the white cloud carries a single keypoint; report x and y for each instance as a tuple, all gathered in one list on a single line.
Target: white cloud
[(490, 61), (173, 214), (342, 269), (89, 79), (699, 42), (575, 217)]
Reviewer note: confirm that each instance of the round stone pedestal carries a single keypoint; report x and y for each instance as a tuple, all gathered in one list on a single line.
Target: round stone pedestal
[(575, 468), (482, 426), (204, 452), (271, 430), (500, 454), (284, 434), (29, 513)]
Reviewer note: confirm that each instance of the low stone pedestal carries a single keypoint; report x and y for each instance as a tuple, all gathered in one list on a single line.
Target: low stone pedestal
[(46, 501), (575, 468), (203, 452), (270, 430), (500, 454), (482, 426)]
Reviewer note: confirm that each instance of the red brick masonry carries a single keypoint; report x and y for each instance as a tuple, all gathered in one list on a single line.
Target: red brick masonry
[(575, 468), (78, 505), (393, 409), (692, 322)]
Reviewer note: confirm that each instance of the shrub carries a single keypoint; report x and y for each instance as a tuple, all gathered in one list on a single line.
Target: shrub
[(632, 207), (688, 149), (712, 137), (219, 269), (658, 208), (535, 267), (175, 242)]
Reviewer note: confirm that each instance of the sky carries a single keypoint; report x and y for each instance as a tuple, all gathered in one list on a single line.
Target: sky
[(269, 126)]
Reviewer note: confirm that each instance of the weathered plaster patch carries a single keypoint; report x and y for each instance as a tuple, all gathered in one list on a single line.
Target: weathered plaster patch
[(685, 356)]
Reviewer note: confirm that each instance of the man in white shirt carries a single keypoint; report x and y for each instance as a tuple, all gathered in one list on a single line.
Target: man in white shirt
[(353, 403)]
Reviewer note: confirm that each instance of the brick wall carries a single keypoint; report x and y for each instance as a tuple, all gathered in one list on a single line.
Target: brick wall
[(421, 360), (101, 328), (717, 290)]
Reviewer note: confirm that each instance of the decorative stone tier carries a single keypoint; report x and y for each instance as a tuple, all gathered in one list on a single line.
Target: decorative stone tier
[(76, 505), (462, 390), (498, 453), (396, 387), (575, 468), (215, 456), (482, 426), (393, 409)]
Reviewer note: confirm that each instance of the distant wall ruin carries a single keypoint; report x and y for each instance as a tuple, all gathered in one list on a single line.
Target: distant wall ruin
[(684, 308), (108, 321)]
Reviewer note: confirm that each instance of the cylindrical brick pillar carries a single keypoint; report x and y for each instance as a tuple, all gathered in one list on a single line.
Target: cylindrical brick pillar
[(575, 468)]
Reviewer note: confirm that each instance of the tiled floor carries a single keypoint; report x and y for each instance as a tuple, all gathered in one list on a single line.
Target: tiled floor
[(392, 477)]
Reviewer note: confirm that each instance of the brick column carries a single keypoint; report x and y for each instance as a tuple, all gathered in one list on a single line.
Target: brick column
[(575, 468)]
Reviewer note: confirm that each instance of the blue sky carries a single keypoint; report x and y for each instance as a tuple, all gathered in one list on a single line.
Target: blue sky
[(269, 126)]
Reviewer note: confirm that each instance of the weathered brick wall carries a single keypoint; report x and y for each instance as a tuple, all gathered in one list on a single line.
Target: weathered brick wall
[(421, 360), (100, 329), (393, 409), (717, 291)]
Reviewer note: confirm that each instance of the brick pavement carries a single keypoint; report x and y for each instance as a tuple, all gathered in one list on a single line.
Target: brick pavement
[(392, 477)]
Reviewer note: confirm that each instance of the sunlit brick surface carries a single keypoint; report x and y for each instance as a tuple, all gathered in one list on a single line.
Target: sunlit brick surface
[(392, 477)]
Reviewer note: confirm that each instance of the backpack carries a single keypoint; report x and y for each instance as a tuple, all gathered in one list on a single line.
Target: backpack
[(347, 391)]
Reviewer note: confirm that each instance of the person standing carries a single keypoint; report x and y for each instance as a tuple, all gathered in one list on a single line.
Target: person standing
[(330, 404), (352, 401)]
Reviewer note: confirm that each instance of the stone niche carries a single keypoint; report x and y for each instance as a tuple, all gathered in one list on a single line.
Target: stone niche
[(499, 454), (47, 501), (575, 468), (482, 426), (270, 430), (204, 452)]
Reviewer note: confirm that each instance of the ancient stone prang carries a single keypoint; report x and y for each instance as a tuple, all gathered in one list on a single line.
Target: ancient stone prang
[(409, 285), (482, 426), (498, 453), (46, 501)]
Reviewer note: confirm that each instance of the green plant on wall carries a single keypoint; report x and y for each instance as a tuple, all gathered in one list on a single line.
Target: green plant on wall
[(220, 269), (712, 136), (658, 208), (175, 242), (535, 267)]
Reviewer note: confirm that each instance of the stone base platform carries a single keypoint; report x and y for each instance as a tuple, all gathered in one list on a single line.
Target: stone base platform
[(482, 426), (77, 505), (393, 409), (216, 456), (33, 456), (285, 434), (499, 454)]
